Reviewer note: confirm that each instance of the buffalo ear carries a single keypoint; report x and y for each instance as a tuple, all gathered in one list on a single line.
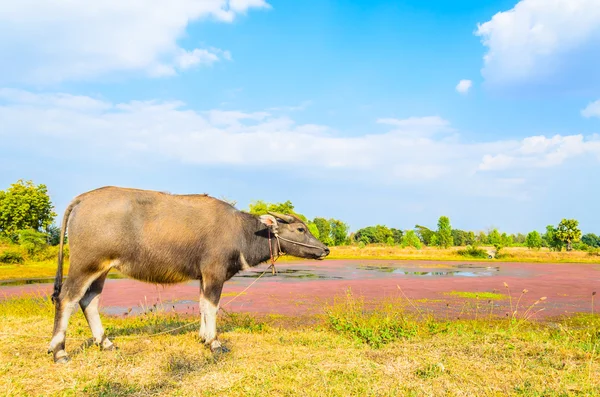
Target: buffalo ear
[(270, 221)]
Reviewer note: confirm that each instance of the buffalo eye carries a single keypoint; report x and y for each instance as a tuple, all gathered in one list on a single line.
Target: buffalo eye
[(301, 229)]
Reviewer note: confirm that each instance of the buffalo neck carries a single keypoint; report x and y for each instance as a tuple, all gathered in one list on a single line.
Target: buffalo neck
[(255, 243)]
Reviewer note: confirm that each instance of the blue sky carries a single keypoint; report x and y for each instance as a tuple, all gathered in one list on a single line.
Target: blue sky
[(373, 112)]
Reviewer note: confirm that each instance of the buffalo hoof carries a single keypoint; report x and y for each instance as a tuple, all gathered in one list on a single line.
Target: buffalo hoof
[(109, 348), (62, 360), (220, 350), (217, 348)]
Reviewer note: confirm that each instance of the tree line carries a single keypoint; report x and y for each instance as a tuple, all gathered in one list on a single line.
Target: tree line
[(27, 219)]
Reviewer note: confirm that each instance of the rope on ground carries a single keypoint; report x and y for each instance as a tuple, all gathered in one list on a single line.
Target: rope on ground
[(197, 321), (146, 335)]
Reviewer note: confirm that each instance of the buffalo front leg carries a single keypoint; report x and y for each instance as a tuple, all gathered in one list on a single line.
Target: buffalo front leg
[(210, 295), (89, 304)]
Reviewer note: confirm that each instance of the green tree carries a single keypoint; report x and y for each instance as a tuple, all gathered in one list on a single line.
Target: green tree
[(324, 228), (339, 232), (313, 229), (424, 234), (32, 241), (25, 206), (506, 240), (482, 238), (519, 238), (551, 240), (378, 234), (460, 237), (54, 235), (260, 207), (591, 239), (568, 232), (471, 239), (444, 232), (434, 241), (494, 237), (533, 240), (410, 239), (397, 235)]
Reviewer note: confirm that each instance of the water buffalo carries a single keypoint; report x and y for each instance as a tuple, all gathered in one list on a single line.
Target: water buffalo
[(164, 238)]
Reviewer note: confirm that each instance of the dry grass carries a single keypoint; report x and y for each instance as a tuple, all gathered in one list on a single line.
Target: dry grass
[(281, 358), (510, 254)]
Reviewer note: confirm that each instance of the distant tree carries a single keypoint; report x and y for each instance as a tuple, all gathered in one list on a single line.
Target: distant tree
[(313, 229), (53, 235), (324, 227), (339, 232), (482, 238), (444, 232), (591, 239), (551, 240), (329, 232), (568, 232), (506, 240), (378, 234), (424, 234), (471, 239), (533, 240), (460, 237), (260, 207), (25, 206), (397, 235), (494, 237), (434, 241), (32, 240), (366, 235), (410, 239), (382, 233), (519, 238)]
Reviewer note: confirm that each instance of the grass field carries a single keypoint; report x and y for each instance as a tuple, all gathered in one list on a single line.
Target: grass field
[(47, 267), (509, 254), (348, 351)]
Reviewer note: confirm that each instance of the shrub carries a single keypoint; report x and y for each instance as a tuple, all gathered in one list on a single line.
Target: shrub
[(375, 328), (11, 257), (410, 239), (473, 252), (32, 241), (579, 246), (50, 253), (594, 252)]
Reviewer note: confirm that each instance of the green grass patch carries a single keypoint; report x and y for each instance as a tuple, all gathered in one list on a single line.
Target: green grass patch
[(478, 295)]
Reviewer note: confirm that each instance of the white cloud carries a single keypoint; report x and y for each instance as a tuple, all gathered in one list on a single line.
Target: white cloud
[(541, 152), (592, 110), (538, 40), (464, 86), (413, 150), (50, 41)]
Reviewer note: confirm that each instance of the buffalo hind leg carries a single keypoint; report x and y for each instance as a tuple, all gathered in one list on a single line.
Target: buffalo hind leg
[(210, 295), (71, 293), (89, 306)]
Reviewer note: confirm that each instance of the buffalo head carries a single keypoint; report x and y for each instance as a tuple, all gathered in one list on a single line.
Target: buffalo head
[(294, 237)]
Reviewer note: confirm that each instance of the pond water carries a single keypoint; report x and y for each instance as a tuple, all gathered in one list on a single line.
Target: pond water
[(303, 286), (352, 270)]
